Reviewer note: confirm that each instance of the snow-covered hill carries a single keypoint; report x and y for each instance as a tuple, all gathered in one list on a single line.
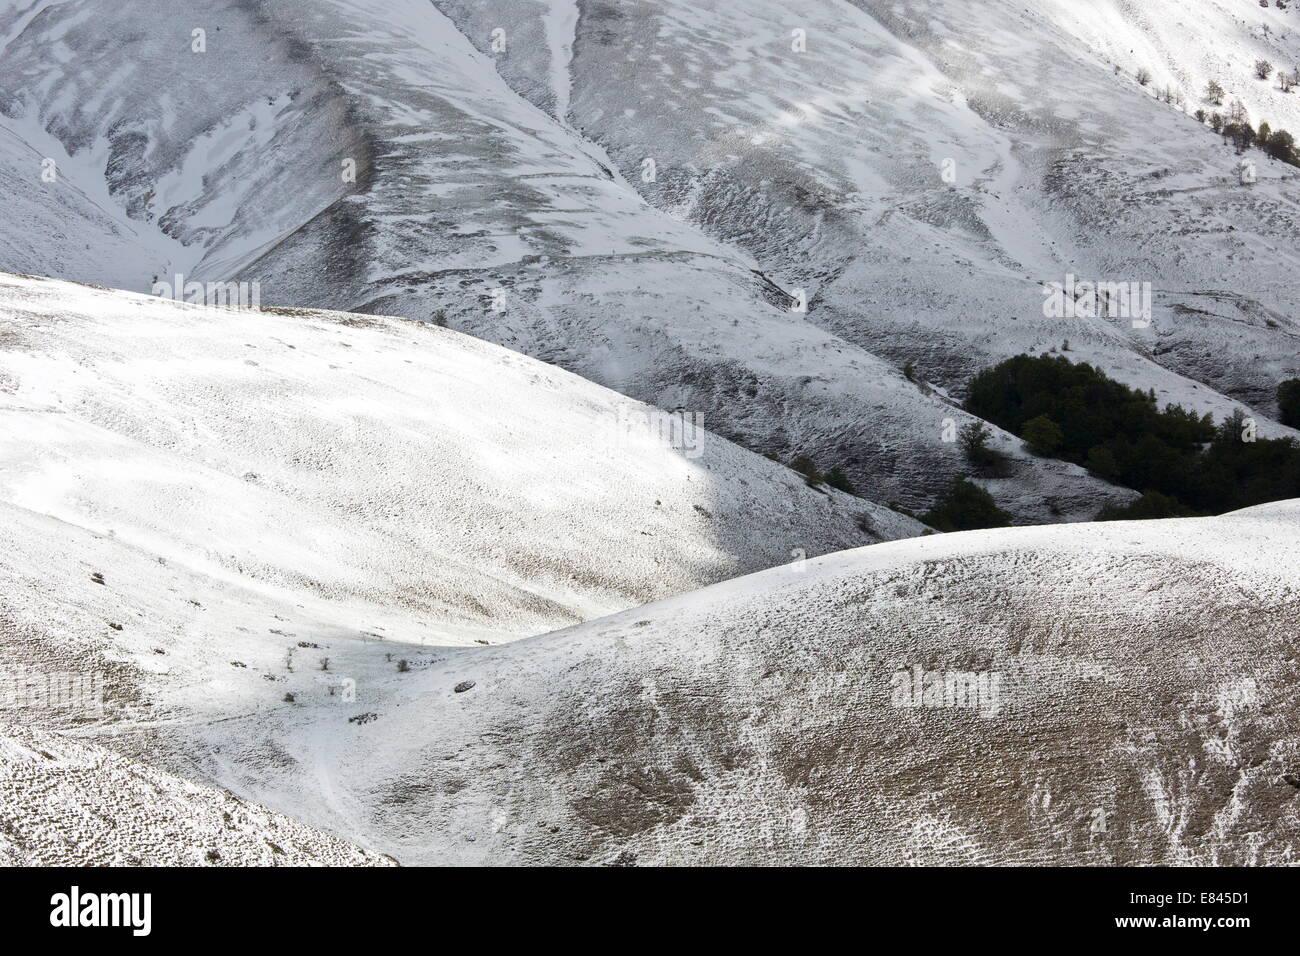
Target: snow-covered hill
[(500, 180), (828, 165), (238, 493), (1125, 694), (1185, 46), (1135, 705), (295, 552), (383, 464)]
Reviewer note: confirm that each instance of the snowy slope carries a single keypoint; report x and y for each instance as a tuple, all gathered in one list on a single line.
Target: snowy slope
[(71, 803), (236, 497), (210, 155), (281, 597), (1144, 713), (1186, 46), (381, 463), (1146, 676), (827, 165), (283, 538), (503, 189)]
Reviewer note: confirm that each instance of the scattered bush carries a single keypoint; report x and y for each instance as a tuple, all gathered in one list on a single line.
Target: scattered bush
[(808, 468), (1235, 126), (974, 440), (835, 478)]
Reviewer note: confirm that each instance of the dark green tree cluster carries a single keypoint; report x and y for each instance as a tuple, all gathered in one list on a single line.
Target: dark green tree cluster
[(1151, 505), (1288, 402), (966, 506), (1079, 414)]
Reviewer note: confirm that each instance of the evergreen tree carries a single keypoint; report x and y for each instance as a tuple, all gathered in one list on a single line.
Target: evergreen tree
[(966, 507), (1122, 436), (1288, 402)]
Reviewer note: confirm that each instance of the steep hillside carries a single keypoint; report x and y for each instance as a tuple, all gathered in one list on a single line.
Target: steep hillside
[(382, 464), (1184, 47), (1136, 703), (1141, 712), (828, 164), (383, 156), (534, 594)]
